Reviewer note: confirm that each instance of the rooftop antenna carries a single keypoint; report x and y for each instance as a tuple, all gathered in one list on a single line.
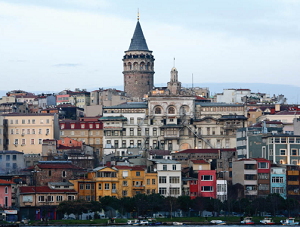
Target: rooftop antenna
[(174, 63), (138, 15), (192, 81)]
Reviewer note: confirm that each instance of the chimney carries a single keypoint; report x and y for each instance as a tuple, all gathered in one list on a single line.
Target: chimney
[(277, 107)]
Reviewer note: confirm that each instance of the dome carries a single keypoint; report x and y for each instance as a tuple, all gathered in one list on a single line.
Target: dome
[(173, 69)]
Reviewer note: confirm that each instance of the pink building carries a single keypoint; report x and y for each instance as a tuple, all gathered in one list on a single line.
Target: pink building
[(5, 192), (207, 184)]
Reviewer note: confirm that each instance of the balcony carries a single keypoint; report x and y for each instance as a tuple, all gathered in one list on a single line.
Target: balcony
[(293, 172), (174, 135), (138, 187), (231, 126), (114, 191), (293, 182)]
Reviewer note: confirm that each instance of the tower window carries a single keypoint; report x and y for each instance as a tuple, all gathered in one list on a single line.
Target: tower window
[(148, 82), (136, 82)]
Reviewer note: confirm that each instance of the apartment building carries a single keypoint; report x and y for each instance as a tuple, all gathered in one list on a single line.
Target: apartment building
[(244, 172), (125, 126), (263, 177), (222, 190), (86, 130), (26, 132), (168, 176), (207, 183), (190, 187), (293, 186), (11, 162), (278, 180), (36, 202), (79, 98)]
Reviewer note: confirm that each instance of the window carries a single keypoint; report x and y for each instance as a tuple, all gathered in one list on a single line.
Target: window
[(50, 198), (174, 191), (138, 174), (6, 190), (33, 121), (148, 181), (125, 183), (206, 177), (279, 190), (81, 186), (28, 131), (154, 131), (271, 152), (124, 193), (263, 165), (17, 131), (146, 131), (164, 167), (139, 132), (162, 191), (282, 152), (174, 167), (206, 189), (100, 186), (7, 157), (131, 132), (162, 180), (41, 198), (14, 157), (32, 141), (263, 187), (11, 131), (153, 181), (113, 186), (59, 198), (33, 131), (87, 187), (71, 197), (277, 179), (294, 152), (40, 131), (263, 176), (64, 173), (171, 110), (16, 142), (47, 131), (131, 120), (23, 121), (174, 180), (157, 110)]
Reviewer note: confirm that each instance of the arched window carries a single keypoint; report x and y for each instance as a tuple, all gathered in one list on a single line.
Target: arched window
[(171, 110), (129, 65), (142, 66), (6, 190), (157, 110)]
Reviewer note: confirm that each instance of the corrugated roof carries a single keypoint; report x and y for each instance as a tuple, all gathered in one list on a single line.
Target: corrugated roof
[(213, 104), (205, 150), (130, 167), (129, 105), (43, 189)]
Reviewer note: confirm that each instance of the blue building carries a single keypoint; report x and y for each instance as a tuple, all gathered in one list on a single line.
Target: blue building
[(278, 180)]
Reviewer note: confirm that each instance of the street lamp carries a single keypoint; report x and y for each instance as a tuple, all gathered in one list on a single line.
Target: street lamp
[(35, 176)]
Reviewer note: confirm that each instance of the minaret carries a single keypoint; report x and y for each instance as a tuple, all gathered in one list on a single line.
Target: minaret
[(138, 63), (174, 85)]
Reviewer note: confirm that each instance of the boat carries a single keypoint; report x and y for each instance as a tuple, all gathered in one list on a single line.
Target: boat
[(177, 223), (289, 221), (131, 222), (267, 221), (144, 222), (218, 222), (247, 221)]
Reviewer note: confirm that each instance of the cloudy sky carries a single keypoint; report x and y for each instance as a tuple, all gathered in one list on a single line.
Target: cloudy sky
[(56, 44)]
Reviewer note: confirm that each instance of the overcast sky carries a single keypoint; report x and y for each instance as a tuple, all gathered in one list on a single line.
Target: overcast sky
[(56, 44)]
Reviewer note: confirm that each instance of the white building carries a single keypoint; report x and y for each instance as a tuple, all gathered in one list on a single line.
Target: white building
[(222, 190), (168, 176)]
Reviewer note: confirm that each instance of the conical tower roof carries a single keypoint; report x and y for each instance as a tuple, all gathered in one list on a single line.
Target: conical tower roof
[(138, 41)]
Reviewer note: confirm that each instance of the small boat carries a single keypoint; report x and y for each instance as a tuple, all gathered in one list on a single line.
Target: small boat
[(267, 221), (177, 223), (136, 224), (144, 222), (289, 221), (218, 222), (131, 222), (247, 221)]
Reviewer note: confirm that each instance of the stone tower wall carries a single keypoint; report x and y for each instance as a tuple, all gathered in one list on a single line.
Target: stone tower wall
[(138, 73)]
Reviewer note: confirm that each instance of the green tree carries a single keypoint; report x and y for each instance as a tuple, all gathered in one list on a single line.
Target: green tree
[(184, 203)]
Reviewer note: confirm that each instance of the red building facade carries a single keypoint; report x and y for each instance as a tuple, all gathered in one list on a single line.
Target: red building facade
[(207, 183)]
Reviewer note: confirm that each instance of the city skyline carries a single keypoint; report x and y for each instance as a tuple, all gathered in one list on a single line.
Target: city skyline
[(81, 43)]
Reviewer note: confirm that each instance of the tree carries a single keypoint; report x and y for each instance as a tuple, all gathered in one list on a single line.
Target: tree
[(140, 203), (77, 207), (171, 204), (155, 202), (184, 203)]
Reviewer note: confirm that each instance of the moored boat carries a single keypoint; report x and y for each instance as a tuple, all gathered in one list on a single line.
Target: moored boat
[(267, 221), (289, 221), (177, 223), (218, 222), (247, 221)]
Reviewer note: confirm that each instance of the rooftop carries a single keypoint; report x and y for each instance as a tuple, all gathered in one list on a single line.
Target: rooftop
[(164, 161), (129, 105), (138, 41), (215, 104), (43, 189), (205, 150)]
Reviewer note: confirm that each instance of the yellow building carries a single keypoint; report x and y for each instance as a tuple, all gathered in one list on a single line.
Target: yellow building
[(101, 182), (118, 181), (26, 132)]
